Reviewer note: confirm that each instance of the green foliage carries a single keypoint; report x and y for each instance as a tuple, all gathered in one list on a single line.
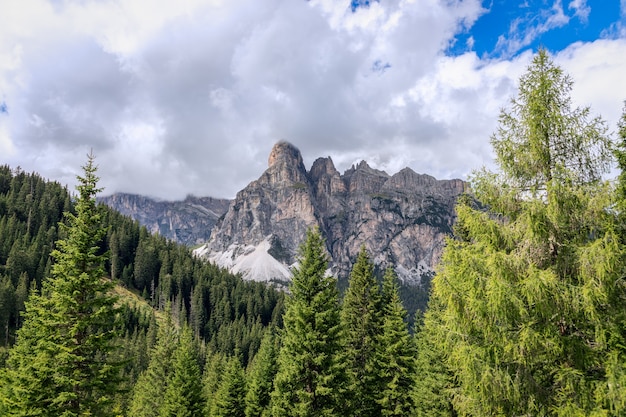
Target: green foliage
[(214, 370), (183, 396), (361, 320), (434, 384), (61, 363), (395, 355), (310, 379), (261, 375), (531, 297), (149, 392), (230, 397), (225, 313), (620, 156)]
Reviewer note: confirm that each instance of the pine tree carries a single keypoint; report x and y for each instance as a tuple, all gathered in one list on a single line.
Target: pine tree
[(7, 307), (214, 370), (261, 376), (361, 320), (395, 354), (230, 397), (149, 391), (60, 363), (310, 376), (183, 396), (531, 292)]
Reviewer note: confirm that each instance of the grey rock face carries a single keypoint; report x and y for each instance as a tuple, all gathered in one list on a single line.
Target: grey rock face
[(402, 219), (188, 222)]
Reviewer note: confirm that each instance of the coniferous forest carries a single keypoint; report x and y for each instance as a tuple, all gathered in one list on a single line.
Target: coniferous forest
[(526, 316)]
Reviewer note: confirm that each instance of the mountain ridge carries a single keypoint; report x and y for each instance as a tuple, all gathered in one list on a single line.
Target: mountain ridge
[(189, 221), (402, 219)]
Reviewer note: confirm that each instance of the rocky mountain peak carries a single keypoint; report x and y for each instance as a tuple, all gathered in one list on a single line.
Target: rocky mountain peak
[(284, 153), (364, 179), (285, 167), (323, 167), (402, 219)]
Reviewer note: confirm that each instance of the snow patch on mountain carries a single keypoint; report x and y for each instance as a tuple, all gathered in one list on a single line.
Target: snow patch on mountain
[(254, 263), (413, 276)]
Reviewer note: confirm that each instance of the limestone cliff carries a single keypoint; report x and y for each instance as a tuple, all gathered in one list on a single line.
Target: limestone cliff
[(401, 219), (188, 222)]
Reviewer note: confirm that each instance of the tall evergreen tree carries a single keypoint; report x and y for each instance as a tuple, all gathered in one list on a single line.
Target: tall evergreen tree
[(149, 392), (230, 397), (310, 376), (361, 320), (60, 363), (532, 291), (395, 355), (261, 376), (183, 396), (214, 369)]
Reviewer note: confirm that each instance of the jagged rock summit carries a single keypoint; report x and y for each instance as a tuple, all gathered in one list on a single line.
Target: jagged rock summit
[(401, 219)]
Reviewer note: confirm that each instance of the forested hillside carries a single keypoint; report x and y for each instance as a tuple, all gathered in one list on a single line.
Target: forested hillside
[(224, 313)]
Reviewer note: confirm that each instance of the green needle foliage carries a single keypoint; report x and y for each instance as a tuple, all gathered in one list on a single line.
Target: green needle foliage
[(183, 396), (60, 363), (395, 354), (261, 376), (361, 320), (149, 392), (532, 293), (310, 379), (230, 397)]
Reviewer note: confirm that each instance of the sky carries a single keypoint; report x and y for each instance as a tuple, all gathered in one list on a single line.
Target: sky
[(189, 96)]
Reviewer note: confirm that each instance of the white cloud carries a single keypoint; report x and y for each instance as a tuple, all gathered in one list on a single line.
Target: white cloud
[(189, 97), (581, 9), (597, 69)]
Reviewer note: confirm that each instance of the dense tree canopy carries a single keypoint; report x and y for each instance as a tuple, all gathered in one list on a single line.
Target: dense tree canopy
[(61, 363), (531, 292)]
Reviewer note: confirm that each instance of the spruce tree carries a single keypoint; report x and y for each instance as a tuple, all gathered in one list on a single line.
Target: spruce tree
[(531, 291), (361, 320), (148, 395), (261, 376), (183, 396), (230, 397), (395, 355), (310, 376), (60, 363), (214, 370)]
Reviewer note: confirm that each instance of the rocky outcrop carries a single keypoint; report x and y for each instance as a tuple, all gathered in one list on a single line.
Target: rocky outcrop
[(188, 222), (402, 219)]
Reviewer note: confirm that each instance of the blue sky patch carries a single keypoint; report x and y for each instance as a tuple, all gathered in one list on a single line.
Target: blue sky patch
[(355, 4), (380, 66), (509, 27)]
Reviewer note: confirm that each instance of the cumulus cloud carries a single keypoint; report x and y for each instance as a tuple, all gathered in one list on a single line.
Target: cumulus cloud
[(189, 97)]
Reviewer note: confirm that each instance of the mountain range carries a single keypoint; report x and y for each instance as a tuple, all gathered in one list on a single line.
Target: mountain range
[(401, 219)]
